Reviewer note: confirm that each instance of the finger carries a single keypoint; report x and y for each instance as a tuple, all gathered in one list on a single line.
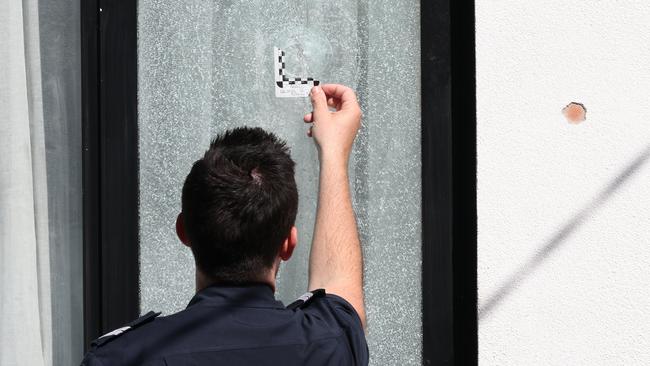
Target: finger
[(319, 103), (334, 104), (309, 117), (346, 96)]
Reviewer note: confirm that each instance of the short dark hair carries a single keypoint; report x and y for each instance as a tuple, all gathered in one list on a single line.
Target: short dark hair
[(239, 204)]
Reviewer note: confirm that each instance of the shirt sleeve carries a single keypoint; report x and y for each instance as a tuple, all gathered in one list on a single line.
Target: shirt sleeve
[(91, 360), (350, 322)]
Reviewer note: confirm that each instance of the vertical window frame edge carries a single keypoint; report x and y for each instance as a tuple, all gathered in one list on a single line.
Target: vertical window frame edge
[(463, 98), (110, 165), (90, 170), (449, 321)]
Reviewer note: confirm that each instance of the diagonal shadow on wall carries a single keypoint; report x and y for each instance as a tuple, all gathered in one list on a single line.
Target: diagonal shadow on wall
[(560, 236)]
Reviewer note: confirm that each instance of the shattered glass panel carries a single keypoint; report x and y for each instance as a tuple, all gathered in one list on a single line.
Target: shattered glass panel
[(205, 67)]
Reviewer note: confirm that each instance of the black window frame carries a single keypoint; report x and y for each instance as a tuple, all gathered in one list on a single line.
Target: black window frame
[(448, 142)]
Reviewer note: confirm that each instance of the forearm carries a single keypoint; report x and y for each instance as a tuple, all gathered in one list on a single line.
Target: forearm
[(335, 261)]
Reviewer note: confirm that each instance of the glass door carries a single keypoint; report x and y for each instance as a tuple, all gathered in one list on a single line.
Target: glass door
[(206, 66), (160, 78)]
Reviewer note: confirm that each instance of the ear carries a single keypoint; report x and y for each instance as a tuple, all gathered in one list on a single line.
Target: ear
[(180, 229), (289, 244)]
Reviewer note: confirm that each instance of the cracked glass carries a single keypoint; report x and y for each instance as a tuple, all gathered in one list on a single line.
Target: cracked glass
[(207, 66)]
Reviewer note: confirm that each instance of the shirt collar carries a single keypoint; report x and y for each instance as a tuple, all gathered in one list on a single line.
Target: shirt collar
[(248, 295)]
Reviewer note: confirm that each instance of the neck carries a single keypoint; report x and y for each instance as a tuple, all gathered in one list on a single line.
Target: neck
[(202, 281)]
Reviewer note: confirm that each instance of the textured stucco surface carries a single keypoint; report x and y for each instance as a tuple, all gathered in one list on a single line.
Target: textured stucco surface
[(575, 252)]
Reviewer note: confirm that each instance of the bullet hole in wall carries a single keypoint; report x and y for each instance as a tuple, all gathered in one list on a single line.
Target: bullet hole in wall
[(575, 113)]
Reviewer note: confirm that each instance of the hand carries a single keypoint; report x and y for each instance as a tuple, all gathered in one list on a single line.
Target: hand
[(334, 132)]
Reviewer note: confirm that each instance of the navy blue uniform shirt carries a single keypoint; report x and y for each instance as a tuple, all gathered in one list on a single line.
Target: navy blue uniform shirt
[(227, 325)]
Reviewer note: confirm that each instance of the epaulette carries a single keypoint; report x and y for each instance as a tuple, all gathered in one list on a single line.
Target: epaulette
[(146, 318), (305, 299)]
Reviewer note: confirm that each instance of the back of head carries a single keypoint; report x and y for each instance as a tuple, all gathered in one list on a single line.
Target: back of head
[(239, 204)]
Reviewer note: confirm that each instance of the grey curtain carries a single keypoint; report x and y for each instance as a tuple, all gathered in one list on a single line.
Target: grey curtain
[(40, 184)]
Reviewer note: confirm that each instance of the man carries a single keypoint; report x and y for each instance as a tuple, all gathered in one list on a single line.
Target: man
[(239, 205)]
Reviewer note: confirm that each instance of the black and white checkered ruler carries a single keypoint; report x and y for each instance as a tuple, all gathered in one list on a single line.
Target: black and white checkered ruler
[(287, 87)]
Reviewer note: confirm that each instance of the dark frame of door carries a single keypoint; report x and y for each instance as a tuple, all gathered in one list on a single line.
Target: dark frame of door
[(110, 174)]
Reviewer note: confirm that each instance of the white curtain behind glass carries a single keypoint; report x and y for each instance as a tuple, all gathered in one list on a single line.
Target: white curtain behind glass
[(25, 306), (40, 184)]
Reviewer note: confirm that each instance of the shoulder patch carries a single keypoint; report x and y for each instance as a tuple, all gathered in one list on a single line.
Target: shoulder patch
[(146, 318), (306, 298)]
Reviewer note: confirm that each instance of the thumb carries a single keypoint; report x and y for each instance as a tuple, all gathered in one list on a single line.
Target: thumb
[(318, 102)]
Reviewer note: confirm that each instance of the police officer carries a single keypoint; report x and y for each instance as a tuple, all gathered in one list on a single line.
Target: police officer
[(239, 206)]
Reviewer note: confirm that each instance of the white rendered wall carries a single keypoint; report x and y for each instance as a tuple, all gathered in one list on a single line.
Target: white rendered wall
[(563, 209)]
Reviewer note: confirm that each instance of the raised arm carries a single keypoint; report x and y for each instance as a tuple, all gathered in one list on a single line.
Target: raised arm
[(335, 261)]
